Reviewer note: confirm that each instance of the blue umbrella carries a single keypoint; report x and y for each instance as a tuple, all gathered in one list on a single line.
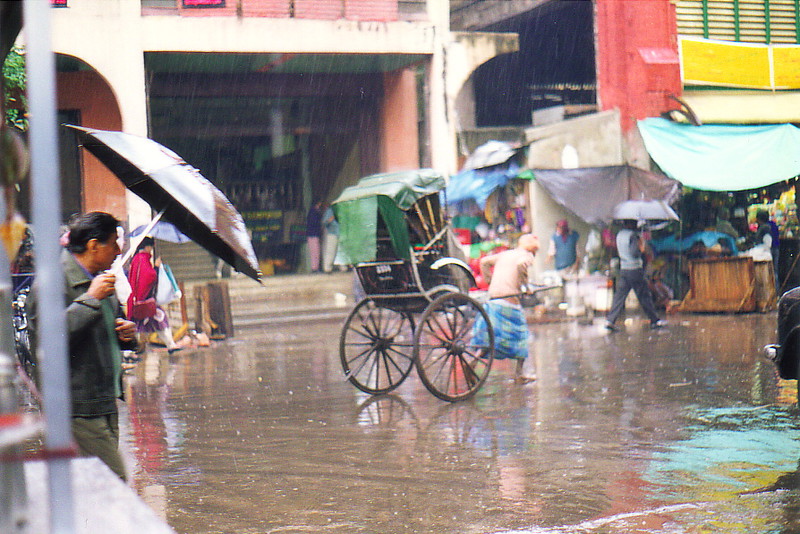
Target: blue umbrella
[(163, 231)]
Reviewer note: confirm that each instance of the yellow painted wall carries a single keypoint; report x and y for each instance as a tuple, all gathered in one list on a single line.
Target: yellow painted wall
[(728, 64)]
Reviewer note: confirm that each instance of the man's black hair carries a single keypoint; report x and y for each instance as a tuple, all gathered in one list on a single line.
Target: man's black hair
[(93, 225)]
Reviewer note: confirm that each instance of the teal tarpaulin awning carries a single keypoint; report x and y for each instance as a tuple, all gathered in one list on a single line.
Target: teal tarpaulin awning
[(723, 157)]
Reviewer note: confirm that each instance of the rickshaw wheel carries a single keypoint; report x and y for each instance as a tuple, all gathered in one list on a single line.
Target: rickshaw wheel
[(452, 360), (376, 347)]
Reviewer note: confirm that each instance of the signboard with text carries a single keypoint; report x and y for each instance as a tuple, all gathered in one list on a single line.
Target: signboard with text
[(203, 3)]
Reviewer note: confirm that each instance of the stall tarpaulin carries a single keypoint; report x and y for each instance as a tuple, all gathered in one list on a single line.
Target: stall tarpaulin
[(478, 184), (592, 193), (723, 157)]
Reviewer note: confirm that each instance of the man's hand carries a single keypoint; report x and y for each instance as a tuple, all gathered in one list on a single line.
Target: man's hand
[(126, 330), (102, 285)]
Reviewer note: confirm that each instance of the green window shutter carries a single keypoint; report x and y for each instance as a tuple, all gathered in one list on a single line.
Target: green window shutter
[(749, 21)]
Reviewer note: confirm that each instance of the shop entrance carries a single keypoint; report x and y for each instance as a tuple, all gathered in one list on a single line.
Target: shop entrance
[(271, 145)]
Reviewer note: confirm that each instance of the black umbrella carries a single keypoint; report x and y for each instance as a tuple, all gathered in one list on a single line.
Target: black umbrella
[(171, 186)]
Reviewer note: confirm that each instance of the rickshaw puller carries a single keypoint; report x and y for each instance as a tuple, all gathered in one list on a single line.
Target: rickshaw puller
[(507, 280)]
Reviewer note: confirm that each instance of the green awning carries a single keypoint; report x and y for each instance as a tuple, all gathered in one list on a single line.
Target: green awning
[(723, 157), (389, 194)]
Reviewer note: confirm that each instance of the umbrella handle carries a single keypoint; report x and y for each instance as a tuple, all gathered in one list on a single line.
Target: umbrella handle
[(134, 244)]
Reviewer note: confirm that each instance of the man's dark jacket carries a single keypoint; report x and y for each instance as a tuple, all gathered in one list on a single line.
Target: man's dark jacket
[(90, 355)]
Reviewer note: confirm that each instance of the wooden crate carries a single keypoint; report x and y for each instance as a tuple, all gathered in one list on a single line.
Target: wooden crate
[(721, 285), (766, 297)]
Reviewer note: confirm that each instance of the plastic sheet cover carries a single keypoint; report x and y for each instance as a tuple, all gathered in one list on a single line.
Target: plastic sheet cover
[(592, 193), (723, 157)]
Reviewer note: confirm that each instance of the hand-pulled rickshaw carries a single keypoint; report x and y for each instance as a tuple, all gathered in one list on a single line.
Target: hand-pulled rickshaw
[(416, 309)]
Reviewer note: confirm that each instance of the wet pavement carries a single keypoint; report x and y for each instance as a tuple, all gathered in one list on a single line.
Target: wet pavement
[(685, 429)]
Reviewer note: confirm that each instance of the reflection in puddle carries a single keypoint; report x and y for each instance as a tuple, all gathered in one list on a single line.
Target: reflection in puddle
[(639, 432), (727, 451)]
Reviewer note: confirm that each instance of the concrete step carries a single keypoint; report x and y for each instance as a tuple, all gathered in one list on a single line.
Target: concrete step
[(188, 261), (286, 298)]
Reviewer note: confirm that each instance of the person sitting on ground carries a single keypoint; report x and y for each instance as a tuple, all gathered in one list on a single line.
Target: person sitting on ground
[(506, 282)]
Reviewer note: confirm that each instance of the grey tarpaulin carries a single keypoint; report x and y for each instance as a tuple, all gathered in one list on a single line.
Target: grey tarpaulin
[(592, 192)]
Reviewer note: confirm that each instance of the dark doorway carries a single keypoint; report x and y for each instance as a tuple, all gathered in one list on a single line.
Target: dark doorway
[(554, 66)]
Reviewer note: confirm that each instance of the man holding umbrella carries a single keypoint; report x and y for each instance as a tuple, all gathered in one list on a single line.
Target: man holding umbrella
[(631, 244)]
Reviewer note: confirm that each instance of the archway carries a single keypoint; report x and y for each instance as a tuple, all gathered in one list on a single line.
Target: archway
[(85, 98)]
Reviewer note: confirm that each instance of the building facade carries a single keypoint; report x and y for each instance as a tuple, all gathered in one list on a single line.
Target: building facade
[(279, 103)]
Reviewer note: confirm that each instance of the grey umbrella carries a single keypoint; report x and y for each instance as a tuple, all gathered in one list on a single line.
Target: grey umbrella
[(177, 190), (641, 210)]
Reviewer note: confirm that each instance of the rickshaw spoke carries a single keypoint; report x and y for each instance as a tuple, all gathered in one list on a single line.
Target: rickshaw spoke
[(386, 359), (432, 331), (394, 326), (389, 359), (441, 362), (365, 362), (365, 333), (360, 343), (399, 353), (438, 324), (470, 376), (376, 324), (466, 327)]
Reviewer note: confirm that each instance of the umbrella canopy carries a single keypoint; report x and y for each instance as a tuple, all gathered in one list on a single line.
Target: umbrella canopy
[(490, 154), (641, 210), (170, 185), (163, 231)]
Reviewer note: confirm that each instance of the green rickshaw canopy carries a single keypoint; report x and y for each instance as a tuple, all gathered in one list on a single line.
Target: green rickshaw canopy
[(391, 194)]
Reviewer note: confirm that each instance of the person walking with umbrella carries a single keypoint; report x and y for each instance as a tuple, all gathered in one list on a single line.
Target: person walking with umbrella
[(631, 245), (143, 276)]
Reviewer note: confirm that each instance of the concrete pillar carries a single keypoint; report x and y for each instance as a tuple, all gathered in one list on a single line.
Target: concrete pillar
[(398, 123)]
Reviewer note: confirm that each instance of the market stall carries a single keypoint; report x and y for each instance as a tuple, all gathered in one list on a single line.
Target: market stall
[(733, 171)]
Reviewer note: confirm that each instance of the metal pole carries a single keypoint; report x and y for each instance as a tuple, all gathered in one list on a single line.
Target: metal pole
[(46, 200), (13, 495)]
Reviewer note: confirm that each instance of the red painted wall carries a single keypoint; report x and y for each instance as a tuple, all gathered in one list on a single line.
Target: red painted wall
[(399, 139), (637, 58), (89, 93)]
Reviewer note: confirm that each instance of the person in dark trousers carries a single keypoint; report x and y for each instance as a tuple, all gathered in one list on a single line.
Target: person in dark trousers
[(631, 245), (314, 235), (97, 333)]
